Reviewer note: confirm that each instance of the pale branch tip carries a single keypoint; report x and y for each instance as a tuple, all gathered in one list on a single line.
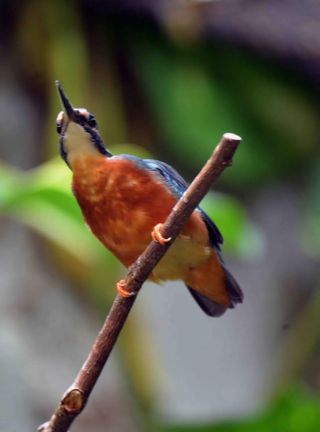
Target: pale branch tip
[(231, 136), (75, 398)]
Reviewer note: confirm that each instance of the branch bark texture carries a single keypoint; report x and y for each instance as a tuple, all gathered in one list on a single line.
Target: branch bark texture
[(75, 398)]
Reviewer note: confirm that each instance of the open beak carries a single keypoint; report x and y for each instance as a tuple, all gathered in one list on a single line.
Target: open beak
[(66, 105)]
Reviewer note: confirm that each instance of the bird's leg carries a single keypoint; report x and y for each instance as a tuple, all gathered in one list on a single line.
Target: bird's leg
[(157, 236), (121, 288)]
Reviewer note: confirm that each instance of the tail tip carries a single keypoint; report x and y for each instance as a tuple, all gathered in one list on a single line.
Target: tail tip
[(234, 290)]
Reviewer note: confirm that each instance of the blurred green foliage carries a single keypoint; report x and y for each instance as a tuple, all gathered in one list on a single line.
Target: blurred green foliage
[(310, 228), (199, 92), (295, 411)]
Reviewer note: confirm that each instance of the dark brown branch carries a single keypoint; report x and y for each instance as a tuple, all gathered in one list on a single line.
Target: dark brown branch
[(75, 398)]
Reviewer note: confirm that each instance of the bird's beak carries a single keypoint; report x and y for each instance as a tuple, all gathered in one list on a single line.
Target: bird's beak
[(66, 105)]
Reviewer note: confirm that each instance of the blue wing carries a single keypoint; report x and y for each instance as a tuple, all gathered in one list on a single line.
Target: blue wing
[(178, 186)]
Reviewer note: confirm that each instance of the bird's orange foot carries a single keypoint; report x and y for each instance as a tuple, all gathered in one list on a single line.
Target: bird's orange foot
[(157, 236), (121, 287)]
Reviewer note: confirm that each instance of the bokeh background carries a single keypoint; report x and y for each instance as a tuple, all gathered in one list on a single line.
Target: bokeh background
[(165, 79)]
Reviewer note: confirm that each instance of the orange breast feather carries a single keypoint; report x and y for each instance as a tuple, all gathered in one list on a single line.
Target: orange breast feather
[(120, 202)]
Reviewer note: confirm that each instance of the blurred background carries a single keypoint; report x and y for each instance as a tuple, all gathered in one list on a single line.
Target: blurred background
[(165, 79)]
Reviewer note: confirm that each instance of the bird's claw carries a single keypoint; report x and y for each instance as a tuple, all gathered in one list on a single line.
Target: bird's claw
[(157, 236), (121, 288)]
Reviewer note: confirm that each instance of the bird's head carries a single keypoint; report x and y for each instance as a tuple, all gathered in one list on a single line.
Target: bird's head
[(78, 131)]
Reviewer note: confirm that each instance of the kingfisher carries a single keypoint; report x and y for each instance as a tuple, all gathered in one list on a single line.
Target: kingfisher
[(125, 200)]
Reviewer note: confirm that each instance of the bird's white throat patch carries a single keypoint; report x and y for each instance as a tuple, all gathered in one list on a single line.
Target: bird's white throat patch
[(78, 142)]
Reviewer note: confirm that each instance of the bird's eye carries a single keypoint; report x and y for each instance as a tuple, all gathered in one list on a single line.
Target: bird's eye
[(92, 121), (59, 128)]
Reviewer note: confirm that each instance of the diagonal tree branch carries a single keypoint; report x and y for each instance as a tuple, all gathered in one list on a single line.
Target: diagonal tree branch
[(75, 398)]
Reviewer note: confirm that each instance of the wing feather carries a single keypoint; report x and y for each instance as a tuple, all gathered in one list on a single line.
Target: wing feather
[(178, 186)]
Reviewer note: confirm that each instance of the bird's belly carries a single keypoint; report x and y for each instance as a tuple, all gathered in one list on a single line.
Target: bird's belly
[(127, 236), (121, 210), (184, 255), (126, 232)]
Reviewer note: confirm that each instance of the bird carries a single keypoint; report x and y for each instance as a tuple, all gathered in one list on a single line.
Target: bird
[(125, 200)]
